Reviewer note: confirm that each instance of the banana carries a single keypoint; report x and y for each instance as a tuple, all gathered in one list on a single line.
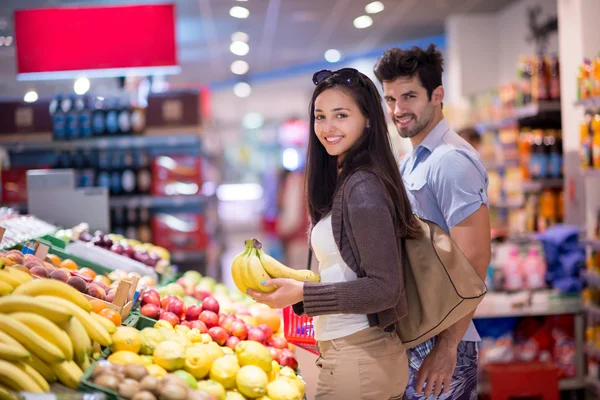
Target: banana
[(13, 353), (7, 394), (68, 373), (16, 303), (44, 369), (17, 379), (85, 364), (52, 287), (33, 342), (47, 329), (105, 322), (236, 272), (35, 375), (8, 278), (82, 345), (5, 288), (277, 270), (7, 339), (93, 328), (255, 274), (18, 274)]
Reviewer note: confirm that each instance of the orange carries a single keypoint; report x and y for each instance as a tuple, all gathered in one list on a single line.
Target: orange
[(98, 305), (270, 318), (112, 315), (89, 272), (54, 259), (70, 264), (8, 261)]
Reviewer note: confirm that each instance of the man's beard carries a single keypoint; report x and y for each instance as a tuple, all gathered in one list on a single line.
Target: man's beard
[(420, 124)]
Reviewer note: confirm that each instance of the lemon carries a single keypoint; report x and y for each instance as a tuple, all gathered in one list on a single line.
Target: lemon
[(253, 353), (151, 337), (194, 335), (296, 381), (126, 338), (214, 350), (227, 351), (197, 361), (169, 355), (231, 395), (224, 371), (282, 389), (147, 360), (163, 324), (213, 388), (124, 357), (275, 368), (182, 328), (156, 370), (252, 381), (206, 338)]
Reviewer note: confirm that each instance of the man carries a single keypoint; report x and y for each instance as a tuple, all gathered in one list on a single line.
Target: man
[(447, 184)]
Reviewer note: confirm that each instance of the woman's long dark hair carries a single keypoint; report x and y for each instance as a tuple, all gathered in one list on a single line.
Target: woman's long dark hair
[(372, 152)]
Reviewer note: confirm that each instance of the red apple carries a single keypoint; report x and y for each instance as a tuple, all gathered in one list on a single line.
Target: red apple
[(164, 302), (218, 335), (266, 330), (285, 360), (201, 294), (201, 326), (238, 328), (169, 317), (232, 341), (186, 323), (177, 307), (150, 310), (193, 312), (150, 298), (222, 316), (227, 322), (257, 335), (210, 304), (275, 353), (209, 318)]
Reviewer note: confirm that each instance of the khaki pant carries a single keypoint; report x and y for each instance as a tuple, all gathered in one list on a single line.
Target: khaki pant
[(368, 365)]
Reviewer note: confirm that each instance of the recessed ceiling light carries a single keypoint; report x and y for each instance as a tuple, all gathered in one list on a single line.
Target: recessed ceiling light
[(239, 48), (242, 89), (374, 7), (364, 21), (332, 55), (81, 86), (239, 67), (239, 12), (239, 37), (30, 97)]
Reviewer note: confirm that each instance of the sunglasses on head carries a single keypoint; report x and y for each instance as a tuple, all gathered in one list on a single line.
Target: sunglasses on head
[(342, 76)]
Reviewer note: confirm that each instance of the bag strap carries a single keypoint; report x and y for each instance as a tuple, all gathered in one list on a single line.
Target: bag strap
[(309, 258)]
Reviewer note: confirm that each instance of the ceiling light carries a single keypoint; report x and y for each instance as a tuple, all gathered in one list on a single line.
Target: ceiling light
[(253, 120), (81, 86), (364, 21), (239, 37), (239, 48), (242, 89), (30, 97), (8, 41), (239, 12), (374, 7), (332, 55), (290, 159), (239, 67)]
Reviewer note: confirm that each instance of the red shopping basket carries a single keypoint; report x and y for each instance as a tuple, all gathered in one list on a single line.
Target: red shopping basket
[(299, 330)]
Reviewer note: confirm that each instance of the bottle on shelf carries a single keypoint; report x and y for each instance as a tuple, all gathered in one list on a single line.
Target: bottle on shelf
[(58, 118), (112, 117), (144, 230), (585, 143), (554, 78), (88, 175), (84, 111), (116, 187), (543, 81), (98, 117), (548, 209), (596, 141), (124, 115), (103, 174), (138, 120), (539, 159), (128, 176), (534, 269), (131, 224), (555, 154), (144, 176), (512, 271), (71, 118), (583, 80), (118, 221)]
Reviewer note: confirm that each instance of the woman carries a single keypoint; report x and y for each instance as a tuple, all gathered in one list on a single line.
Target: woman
[(359, 210)]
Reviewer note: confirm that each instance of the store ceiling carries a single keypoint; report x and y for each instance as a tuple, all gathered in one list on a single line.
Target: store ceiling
[(282, 33)]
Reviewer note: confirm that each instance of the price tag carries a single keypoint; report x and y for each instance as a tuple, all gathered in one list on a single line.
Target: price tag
[(41, 250), (2, 230)]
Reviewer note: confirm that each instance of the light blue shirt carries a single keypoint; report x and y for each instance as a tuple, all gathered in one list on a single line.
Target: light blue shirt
[(446, 182)]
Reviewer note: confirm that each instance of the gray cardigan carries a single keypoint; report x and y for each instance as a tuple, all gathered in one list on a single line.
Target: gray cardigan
[(363, 229)]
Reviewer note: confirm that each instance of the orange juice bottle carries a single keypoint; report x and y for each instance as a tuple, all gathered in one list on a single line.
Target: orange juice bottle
[(586, 144), (596, 141), (583, 80), (596, 77)]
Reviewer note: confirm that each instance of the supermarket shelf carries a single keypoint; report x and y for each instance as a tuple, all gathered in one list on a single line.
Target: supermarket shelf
[(563, 385), (593, 311), (589, 103), (591, 173), (156, 201), (539, 185), (528, 112), (187, 256), (107, 143), (544, 302), (591, 278)]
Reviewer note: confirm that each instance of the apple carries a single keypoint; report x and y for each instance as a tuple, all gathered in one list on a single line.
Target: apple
[(169, 317), (85, 237), (238, 329), (287, 360), (150, 310), (266, 330), (275, 353), (193, 312), (218, 335), (186, 323), (227, 322), (164, 302), (117, 248), (210, 304), (128, 251), (150, 298), (278, 342), (201, 326), (201, 293), (209, 318), (177, 307), (232, 341), (257, 335)]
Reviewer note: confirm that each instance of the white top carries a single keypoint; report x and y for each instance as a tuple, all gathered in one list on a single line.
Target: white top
[(332, 268)]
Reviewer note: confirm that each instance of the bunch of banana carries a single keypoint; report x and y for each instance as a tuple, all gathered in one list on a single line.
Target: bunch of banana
[(47, 333), (253, 266), (11, 278)]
